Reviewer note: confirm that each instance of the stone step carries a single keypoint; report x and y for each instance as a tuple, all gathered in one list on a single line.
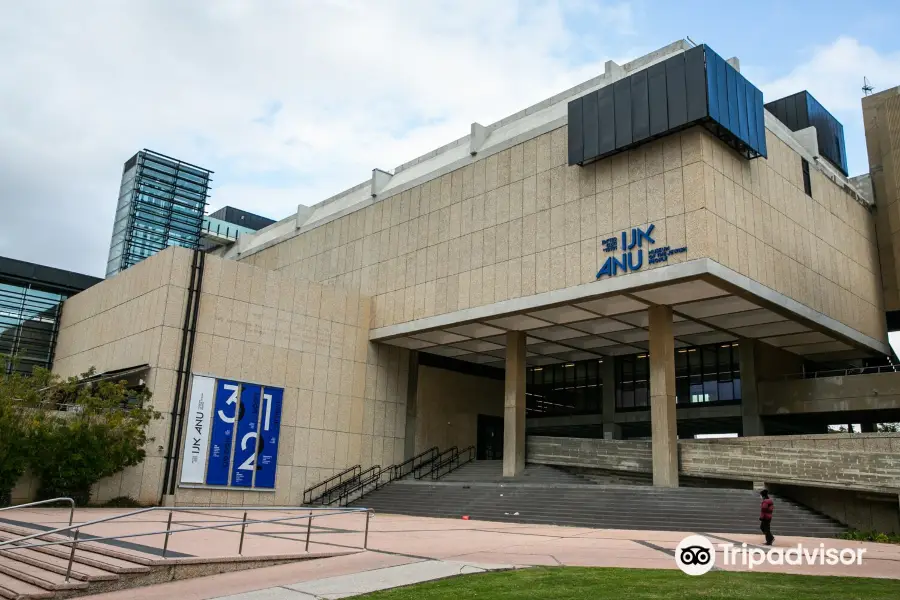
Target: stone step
[(37, 576), (80, 571), (662, 525), (16, 589), (554, 496), (83, 556), (662, 514)]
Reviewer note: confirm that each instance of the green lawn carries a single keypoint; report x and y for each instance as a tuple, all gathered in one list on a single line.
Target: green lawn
[(641, 584)]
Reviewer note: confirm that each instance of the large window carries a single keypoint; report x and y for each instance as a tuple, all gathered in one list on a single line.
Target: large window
[(565, 389), (632, 381), (702, 374), (29, 322)]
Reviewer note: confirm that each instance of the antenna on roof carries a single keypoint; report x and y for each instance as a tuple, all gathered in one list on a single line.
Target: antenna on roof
[(693, 43), (867, 87)]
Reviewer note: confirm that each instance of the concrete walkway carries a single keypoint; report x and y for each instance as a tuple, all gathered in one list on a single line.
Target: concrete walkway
[(366, 582), (405, 550)]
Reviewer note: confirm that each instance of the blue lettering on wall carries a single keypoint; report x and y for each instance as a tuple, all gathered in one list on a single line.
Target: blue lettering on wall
[(632, 257)]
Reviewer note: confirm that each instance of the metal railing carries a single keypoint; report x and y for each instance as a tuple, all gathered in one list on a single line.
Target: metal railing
[(415, 463), (374, 478), (42, 502), (343, 478), (453, 462), (840, 372), (428, 468), (75, 530)]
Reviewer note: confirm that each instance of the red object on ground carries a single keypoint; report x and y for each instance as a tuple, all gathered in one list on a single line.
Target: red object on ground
[(465, 517)]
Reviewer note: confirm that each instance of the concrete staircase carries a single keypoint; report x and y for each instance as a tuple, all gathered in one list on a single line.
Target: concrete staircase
[(40, 572), (552, 496), (104, 566)]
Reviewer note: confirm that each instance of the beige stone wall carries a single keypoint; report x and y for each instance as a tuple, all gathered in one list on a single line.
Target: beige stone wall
[(881, 118), (344, 400), (132, 319), (448, 404), (521, 222)]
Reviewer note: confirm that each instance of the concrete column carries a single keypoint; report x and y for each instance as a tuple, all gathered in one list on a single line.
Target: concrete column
[(611, 431), (749, 395), (412, 407), (514, 405), (869, 427), (664, 432)]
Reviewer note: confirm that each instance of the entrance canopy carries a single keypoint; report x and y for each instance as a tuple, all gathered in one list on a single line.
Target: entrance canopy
[(711, 304)]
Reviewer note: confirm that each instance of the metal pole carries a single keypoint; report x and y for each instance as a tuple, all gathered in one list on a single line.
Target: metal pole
[(71, 511), (308, 527), (72, 554), (366, 537), (243, 528), (168, 532)]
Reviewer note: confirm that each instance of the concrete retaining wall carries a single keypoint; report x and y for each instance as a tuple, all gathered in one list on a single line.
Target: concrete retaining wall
[(876, 391), (863, 462)]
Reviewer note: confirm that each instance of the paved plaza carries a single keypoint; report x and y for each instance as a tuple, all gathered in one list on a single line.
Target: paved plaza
[(404, 550)]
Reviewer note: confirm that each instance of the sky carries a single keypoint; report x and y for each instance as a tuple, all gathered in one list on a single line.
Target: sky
[(293, 101)]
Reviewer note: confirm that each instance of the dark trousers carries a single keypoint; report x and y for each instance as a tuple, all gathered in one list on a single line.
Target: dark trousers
[(766, 527)]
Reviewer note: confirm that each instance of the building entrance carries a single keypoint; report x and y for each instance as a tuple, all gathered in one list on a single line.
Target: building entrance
[(489, 444)]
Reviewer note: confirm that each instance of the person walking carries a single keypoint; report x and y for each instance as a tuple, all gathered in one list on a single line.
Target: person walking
[(765, 516)]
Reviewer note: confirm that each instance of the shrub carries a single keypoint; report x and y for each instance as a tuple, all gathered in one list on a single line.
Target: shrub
[(122, 502), (71, 433), (19, 396), (871, 536)]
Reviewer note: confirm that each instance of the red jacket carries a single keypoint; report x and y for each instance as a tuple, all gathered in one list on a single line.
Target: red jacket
[(766, 509)]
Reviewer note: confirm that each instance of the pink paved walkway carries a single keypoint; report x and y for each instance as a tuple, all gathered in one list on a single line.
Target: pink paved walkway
[(396, 540)]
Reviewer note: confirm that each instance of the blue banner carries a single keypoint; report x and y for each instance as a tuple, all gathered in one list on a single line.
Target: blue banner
[(222, 437), (247, 436), (269, 430)]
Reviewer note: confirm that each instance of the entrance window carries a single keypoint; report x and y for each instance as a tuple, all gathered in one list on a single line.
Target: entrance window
[(702, 374), (633, 382), (564, 389)]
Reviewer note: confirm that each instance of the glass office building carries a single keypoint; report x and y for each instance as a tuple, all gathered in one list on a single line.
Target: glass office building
[(31, 298), (162, 201)]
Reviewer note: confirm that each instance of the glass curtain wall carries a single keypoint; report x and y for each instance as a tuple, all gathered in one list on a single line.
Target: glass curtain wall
[(29, 323), (703, 374), (161, 204), (565, 389)]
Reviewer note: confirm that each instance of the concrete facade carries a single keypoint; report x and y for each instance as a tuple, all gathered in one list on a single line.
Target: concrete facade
[(448, 407), (345, 398), (456, 252), (521, 222), (881, 119)]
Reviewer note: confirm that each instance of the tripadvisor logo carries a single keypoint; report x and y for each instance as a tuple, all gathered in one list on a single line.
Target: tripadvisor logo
[(696, 555)]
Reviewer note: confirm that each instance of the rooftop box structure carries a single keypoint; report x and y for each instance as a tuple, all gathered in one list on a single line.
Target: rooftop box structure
[(799, 111), (696, 87)]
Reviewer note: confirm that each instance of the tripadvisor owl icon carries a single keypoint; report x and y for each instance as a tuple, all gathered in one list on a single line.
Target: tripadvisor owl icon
[(695, 555)]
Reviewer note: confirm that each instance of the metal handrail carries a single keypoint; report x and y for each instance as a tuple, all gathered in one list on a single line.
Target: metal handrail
[(15, 544), (429, 456), (375, 474), (352, 484), (840, 372), (455, 458), (41, 502), (420, 473), (355, 470)]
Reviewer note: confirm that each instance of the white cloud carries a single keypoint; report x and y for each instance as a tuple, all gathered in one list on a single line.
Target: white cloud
[(834, 74), (359, 85)]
